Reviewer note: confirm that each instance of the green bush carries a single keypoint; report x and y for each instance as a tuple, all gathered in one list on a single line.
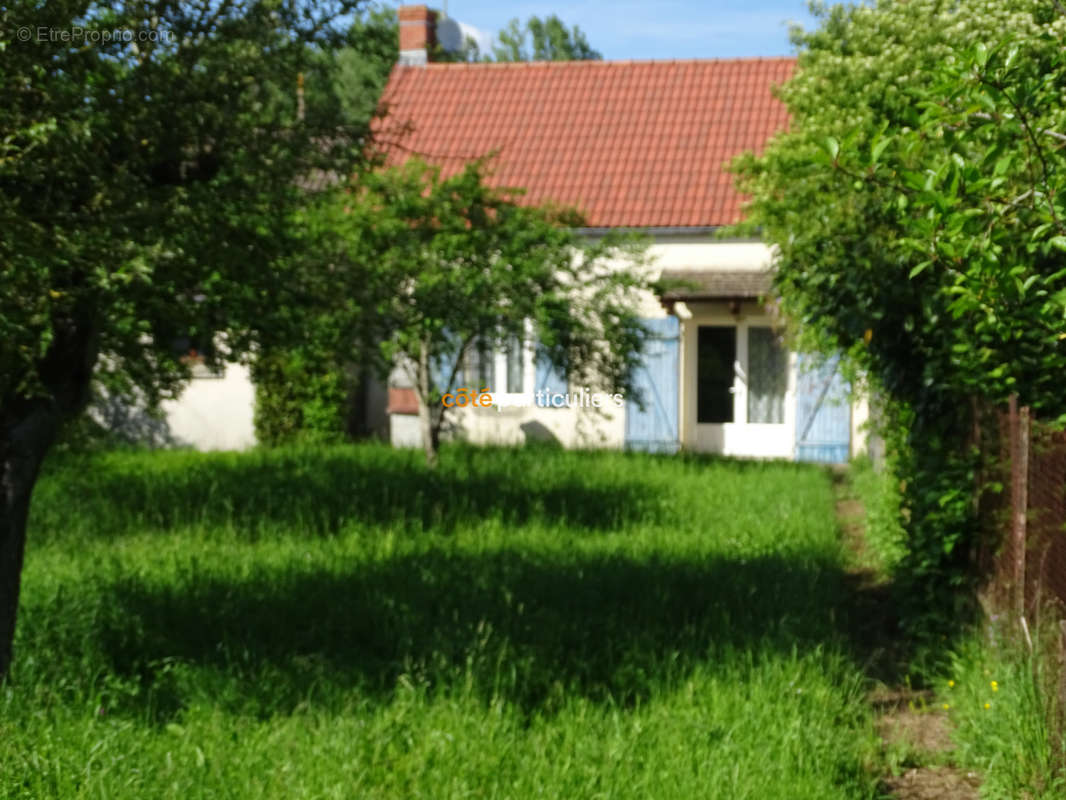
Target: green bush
[(935, 259), (921, 521), (301, 395)]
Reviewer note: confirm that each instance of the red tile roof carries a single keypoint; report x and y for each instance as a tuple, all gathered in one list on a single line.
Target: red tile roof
[(631, 144)]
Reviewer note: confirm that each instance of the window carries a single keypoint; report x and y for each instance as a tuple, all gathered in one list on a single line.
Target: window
[(716, 353), (194, 352), (479, 367), (515, 355), (495, 369), (505, 366), (767, 376)]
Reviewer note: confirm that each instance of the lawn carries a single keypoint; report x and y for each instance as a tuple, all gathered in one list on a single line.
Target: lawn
[(520, 623)]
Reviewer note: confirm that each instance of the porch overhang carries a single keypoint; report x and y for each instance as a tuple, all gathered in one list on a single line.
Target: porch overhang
[(729, 286)]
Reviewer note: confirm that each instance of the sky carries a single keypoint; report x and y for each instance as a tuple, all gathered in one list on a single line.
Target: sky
[(660, 29)]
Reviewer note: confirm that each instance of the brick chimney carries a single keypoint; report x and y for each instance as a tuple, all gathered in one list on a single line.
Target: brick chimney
[(418, 34)]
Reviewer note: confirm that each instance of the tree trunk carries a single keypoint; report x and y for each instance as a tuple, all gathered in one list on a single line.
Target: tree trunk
[(429, 433), (428, 422), (28, 426), (22, 450)]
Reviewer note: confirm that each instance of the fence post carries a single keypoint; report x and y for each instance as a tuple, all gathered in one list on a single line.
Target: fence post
[(1019, 498)]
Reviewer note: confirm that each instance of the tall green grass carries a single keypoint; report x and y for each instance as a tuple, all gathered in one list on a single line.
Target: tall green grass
[(880, 496), (1004, 700), (519, 623)]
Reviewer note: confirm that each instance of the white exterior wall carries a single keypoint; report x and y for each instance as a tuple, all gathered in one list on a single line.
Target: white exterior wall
[(605, 427), (404, 430), (860, 415), (215, 413), (704, 253), (570, 427)]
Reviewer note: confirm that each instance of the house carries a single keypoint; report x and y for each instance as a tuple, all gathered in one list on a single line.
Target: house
[(633, 145)]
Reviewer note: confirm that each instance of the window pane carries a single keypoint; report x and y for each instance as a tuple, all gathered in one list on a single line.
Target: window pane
[(716, 352), (479, 367), (767, 376), (514, 365), (470, 368), (487, 369)]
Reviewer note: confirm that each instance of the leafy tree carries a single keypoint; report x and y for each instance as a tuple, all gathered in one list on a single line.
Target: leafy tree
[(537, 39), (148, 182), (915, 205), (978, 181), (311, 388), (545, 39), (346, 78), (308, 387), (468, 267)]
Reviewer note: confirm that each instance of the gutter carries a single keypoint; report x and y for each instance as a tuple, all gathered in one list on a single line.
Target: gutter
[(679, 230)]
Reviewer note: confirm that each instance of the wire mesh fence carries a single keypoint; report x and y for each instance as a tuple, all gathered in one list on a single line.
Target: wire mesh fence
[(1021, 500)]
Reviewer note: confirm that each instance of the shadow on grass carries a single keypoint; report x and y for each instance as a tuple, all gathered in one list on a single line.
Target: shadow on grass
[(530, 628), (904, 635), (504, 626), (318, 492)]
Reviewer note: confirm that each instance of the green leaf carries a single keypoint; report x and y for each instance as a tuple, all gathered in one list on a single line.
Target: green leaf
[(919, 269), (877, 149)]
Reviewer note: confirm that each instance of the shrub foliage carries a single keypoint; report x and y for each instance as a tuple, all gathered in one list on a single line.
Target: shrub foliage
[(916, 203)]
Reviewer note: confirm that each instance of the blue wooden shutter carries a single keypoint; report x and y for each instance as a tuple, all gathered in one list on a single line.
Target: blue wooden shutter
[(823, 413), (654, 428)]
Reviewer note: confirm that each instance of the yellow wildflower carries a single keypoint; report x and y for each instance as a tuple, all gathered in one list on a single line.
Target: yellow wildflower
[(995, 686)]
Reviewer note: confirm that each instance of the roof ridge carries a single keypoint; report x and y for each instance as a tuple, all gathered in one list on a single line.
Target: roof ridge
[(586, 64)]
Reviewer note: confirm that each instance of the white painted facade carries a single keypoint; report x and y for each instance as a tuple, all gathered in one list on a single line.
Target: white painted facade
[(586, 427), (216, 413)]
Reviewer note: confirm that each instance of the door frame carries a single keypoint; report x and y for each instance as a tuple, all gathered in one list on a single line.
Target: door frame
[(737, 438)]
